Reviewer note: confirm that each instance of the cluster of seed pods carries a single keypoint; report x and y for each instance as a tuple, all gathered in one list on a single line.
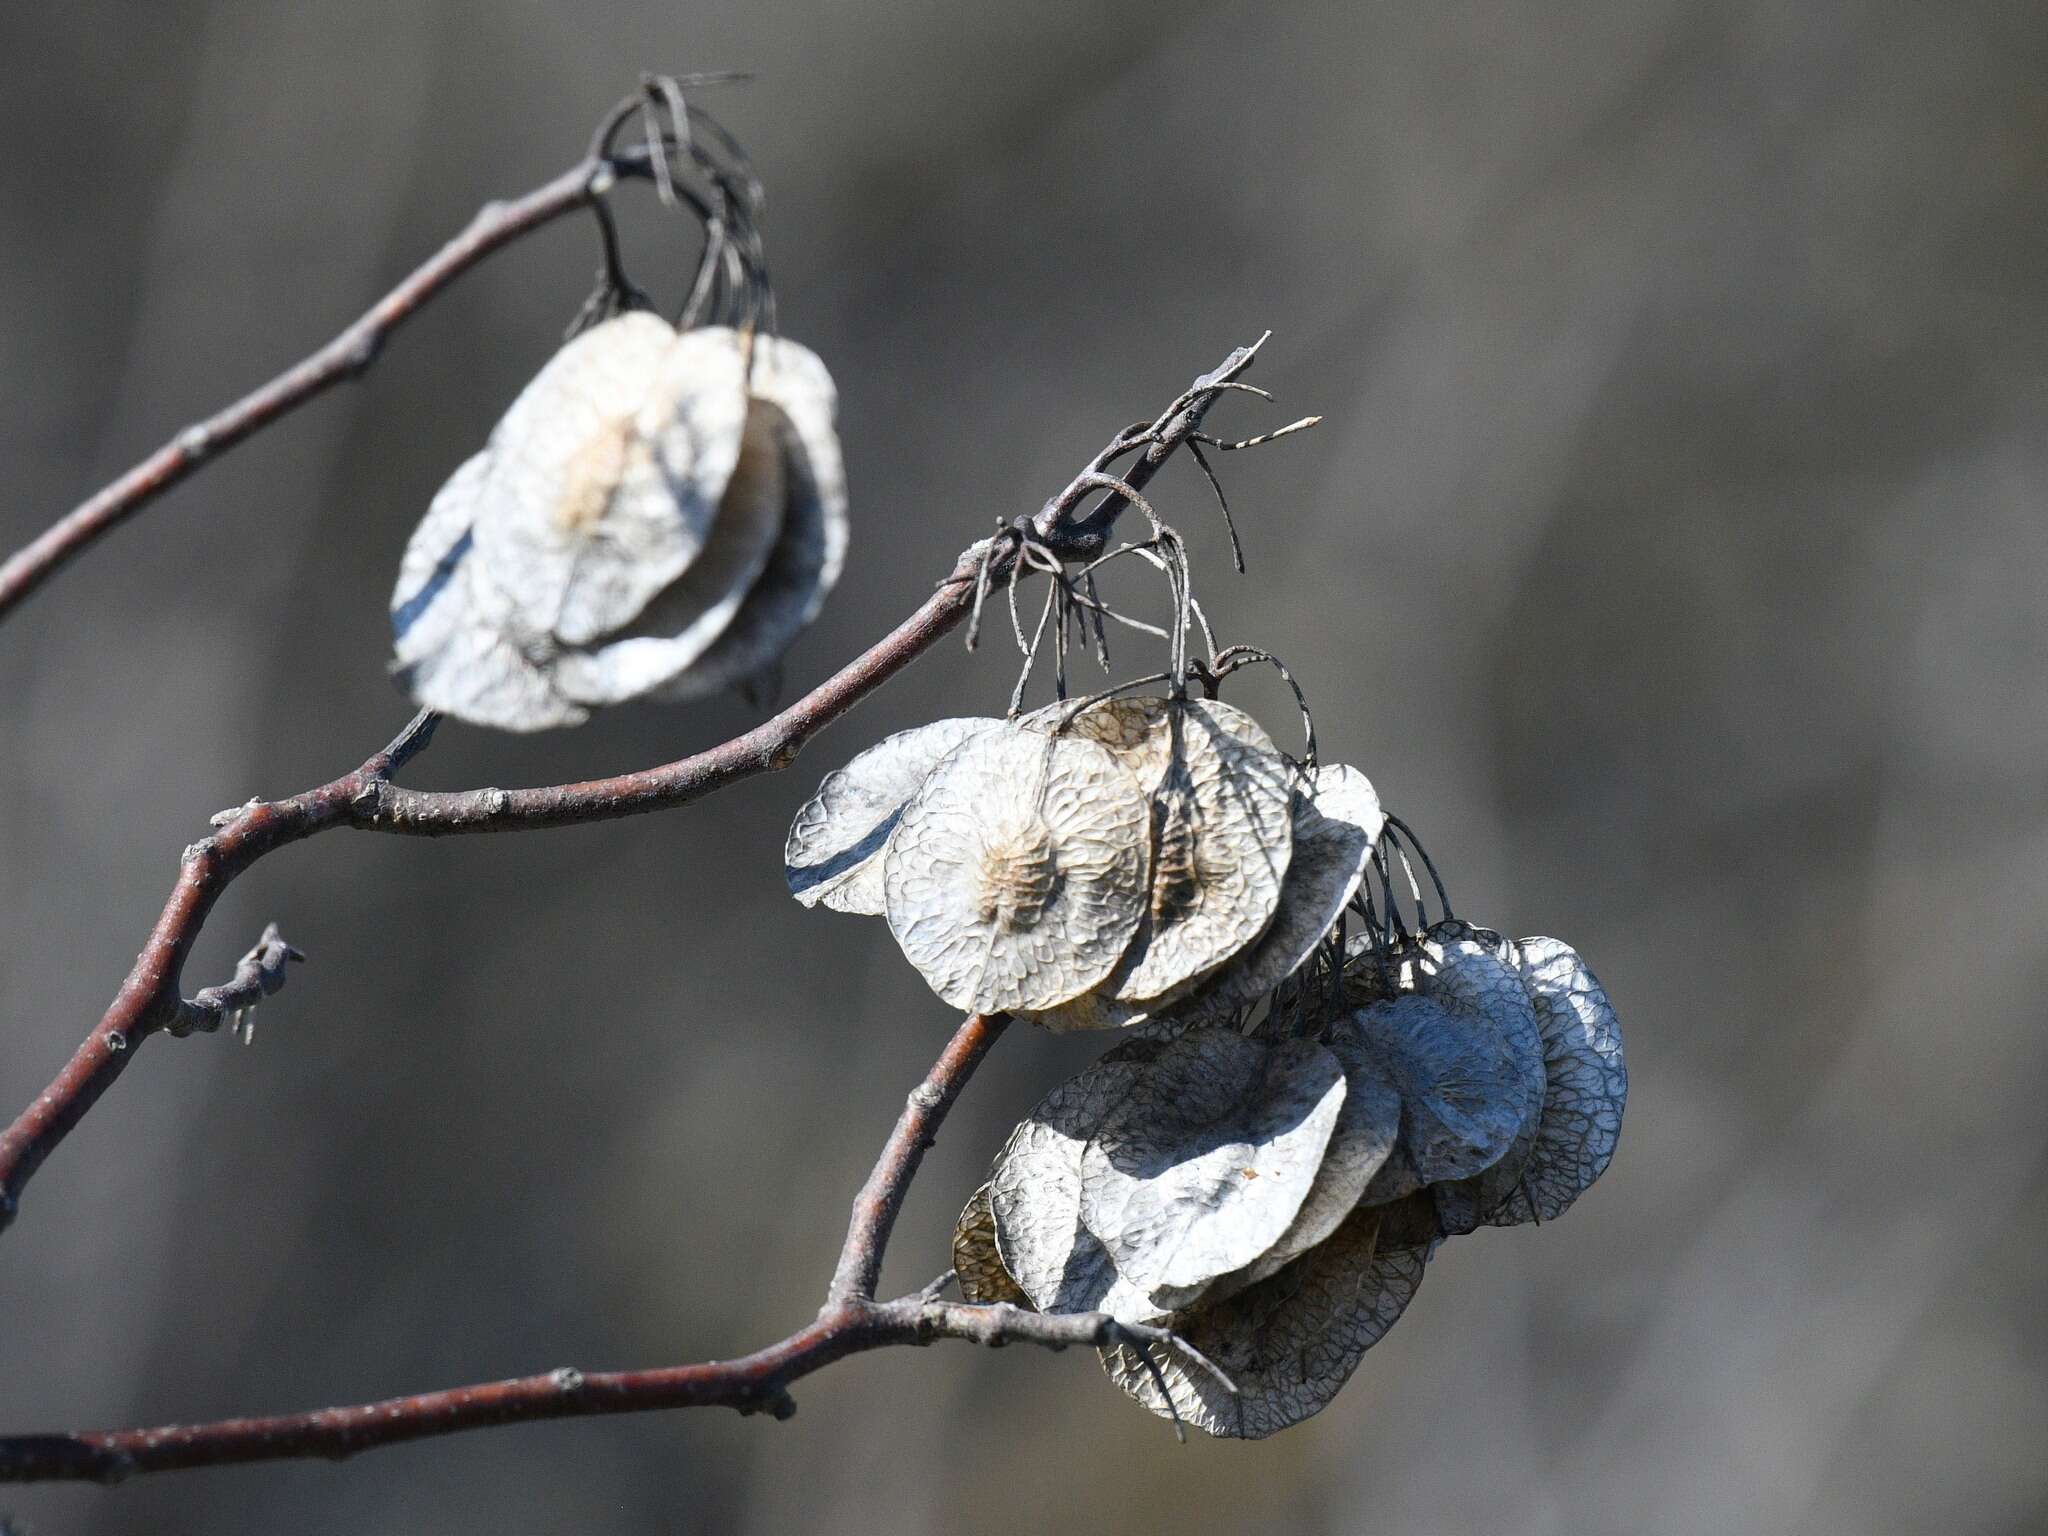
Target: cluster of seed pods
[(1088, 866), (1296, 1116), (657, 516)]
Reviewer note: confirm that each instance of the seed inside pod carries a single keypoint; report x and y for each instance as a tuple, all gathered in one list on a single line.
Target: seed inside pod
[(834, 852), (1587, 1082), (1017, 873), (1287, 1343)]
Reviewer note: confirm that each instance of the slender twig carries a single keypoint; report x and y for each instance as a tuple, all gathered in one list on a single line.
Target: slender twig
[(347, 356), (368, 800), (851, 1323), (259, 974), (875, 1207)]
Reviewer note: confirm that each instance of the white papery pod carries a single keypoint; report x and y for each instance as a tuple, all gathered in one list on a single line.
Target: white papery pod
[(1221, 800), (1363, 1138), (1017, 873), (977, 1262), (811, 550), (606, 474), (1476, 972), (1288, 1343), (1587, 1082), (689, 615), (1034, 1195), (1337, 821), (834, 850), (1204, 1164), (451, 650)]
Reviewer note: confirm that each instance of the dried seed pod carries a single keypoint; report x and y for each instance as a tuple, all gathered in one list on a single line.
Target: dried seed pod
[(811, 549), (1461, 1090), (607, 472), (977, 1263), (1337, 820), (1204, 1164), (452, 653), (1476, 973), (1287, 1343), (687, 616), (1017, 873), (1368, 1125), (834, 852), (1222, 832), (1587, 1082), (1034, 1194)]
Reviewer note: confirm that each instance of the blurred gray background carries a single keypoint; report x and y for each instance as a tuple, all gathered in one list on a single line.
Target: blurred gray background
[(1672, 556)]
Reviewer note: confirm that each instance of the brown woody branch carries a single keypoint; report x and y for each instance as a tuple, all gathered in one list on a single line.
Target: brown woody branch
[(852, 1322)]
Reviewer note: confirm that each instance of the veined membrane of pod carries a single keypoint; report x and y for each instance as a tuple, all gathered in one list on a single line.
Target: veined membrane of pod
[(607, 473), (1475, 971), (1034, 1196), (1461, 1089), (811, 550), (1205, 1163), (451, 651), (1367, 1127), (1221, 800), (834, 850), (1337, 821), (1586, 1082), (1017, 873), (1288, 1343), (977, 1263), (688, 616)]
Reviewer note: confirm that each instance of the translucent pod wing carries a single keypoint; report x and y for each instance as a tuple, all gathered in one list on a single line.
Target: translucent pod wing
[(1478, 974), (451, 650), (1017, 873), (1587, 1082), (977, 1263), (811, 550), (1479, 971), (1461, 1089), (834, 851), (1203, 1166), (1288, 1343), (1034, 1194), (1337, 821), (690, 614), (607, 472)]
